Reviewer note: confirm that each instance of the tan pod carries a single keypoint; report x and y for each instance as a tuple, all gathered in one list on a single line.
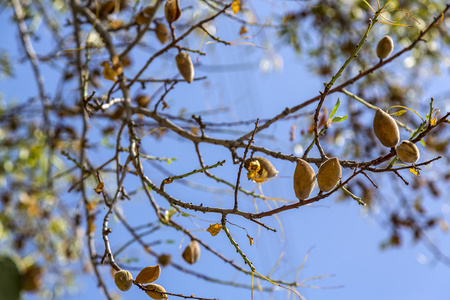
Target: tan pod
[(385, 129), (304, 179), (329, 174)]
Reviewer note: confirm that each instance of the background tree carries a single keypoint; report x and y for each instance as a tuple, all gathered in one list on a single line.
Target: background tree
[(129, 130)]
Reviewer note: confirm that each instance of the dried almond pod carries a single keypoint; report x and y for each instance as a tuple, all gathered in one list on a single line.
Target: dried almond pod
[(155, 291), (148, 274), (172, 10), (164, 259), (385, 129), (142, 18), (123, 280), (408, 152), (192, 252), (185, 66), (259, 169), (162, 33), (385, 47), (304, 179), (329, 174), (143, 100)]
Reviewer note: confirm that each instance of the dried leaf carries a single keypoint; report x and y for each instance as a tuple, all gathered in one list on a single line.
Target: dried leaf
[(99, 188), (148, 274), (235, 6), (243, 30), (214, 229)]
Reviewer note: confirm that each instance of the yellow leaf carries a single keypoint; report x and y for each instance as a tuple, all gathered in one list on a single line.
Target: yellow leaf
[(250, 239), (434, 120), (235, 6), (214, 229), (414, 171)]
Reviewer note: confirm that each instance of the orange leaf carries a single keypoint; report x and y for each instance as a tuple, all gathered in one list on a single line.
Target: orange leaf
[(214, 229)]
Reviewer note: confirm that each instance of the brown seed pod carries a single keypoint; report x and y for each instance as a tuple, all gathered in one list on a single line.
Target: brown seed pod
[(408, 152), (143, 100), (164, 259), (142, 18), (192, 252), (172, 10), (304, 179), (123, 280), (155, 291), (162, 33), (385, 47), (148, 274), (385, 129), (185, 66), (329, 174), (265, 170)]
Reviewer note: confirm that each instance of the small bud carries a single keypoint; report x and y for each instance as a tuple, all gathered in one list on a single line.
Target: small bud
[(192, 252), (162, 33), (123, 280), (408, 152), (172, 10), (385, 129), (385, 47), (304, 179), (329, 174), (185, 66), (155, 291)]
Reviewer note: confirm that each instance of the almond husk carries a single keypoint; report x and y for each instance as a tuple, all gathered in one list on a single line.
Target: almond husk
[(385, 129), (385, 47), (192, 252), (408, 152), (304, 179), (329, 174), (123, 280), (185, 66)]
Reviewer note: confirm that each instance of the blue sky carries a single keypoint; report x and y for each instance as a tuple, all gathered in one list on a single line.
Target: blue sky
[(342, 239)]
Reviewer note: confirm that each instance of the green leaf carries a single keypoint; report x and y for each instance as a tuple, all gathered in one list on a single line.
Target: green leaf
[(339, 119), (334, 110), (399, 113), (423, 142)]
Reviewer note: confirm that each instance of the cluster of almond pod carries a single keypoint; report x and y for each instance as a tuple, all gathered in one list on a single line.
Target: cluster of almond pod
[(260, 169), (386, 130), (124, 280), (328, 176)]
